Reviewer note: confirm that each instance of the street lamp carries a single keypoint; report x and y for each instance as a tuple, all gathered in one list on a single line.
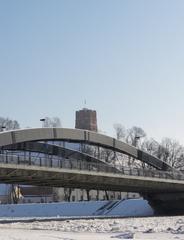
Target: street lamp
[(43, 122), (46, 156), (137, 138), (2, 128)]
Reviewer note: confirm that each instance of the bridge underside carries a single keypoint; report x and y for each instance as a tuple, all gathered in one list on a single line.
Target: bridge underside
[(166, 203)]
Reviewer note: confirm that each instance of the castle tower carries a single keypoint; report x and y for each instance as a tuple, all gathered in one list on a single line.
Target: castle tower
[(86, 119)]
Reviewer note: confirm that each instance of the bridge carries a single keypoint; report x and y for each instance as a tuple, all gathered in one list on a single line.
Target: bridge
[(40, 157)]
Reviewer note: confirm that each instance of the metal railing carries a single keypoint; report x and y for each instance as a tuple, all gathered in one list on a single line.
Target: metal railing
[(53, 162)]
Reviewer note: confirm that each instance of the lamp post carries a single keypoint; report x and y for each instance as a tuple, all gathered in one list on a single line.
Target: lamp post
[(137, 138), (43, 122), (46, 160), (2, 128)]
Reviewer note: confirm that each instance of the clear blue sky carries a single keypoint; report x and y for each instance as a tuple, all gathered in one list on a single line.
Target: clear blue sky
[(125, 57)]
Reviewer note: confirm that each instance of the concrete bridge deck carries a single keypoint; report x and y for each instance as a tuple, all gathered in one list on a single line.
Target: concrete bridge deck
[(15, 169)]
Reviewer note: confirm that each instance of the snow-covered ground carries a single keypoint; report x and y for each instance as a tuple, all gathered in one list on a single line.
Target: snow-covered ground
[(130, 228)]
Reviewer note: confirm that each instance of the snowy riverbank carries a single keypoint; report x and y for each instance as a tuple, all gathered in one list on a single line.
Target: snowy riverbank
[(131, 228)]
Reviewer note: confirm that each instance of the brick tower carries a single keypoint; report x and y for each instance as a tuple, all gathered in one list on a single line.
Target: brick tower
[(86, 119)]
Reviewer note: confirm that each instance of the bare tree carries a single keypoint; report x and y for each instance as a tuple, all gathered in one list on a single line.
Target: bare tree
[(151, 146), (52, 122), (132, 136), (120, 131), (168, 150), (171, 152), (9, 123), (135, 135)]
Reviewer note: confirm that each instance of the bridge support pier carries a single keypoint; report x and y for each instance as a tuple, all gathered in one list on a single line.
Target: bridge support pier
[(166, 203)]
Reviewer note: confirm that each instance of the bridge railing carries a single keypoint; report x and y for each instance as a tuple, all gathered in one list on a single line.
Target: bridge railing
[(52, 162)]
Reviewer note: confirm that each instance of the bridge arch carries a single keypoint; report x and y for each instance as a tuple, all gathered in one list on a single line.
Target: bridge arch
[(81, 136)]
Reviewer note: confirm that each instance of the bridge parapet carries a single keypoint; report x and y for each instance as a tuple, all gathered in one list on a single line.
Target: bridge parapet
[(58, 163)]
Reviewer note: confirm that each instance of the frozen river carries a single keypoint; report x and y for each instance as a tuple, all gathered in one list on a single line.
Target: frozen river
[(129, 228)]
